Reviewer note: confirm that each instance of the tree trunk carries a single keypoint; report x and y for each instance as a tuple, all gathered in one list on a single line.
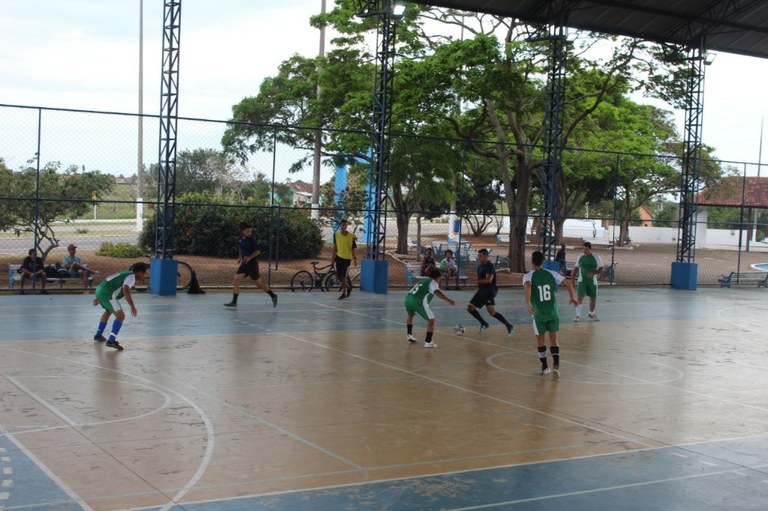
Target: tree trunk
[(518, 214), (402, 217)]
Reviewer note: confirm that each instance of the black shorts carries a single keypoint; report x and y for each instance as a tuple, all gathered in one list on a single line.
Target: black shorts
[(342, 265), (483, 297), (251, 268)]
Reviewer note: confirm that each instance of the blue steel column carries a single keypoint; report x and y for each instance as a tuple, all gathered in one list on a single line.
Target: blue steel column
[(382, 116), (551, 171), (684, 270), (163, 269), (169, 104), (374, 268)]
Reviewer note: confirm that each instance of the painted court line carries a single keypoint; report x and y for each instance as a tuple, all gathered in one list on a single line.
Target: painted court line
[(207, 456), (464, 389)]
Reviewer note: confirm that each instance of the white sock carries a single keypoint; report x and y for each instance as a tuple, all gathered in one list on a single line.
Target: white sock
[(578, 310)]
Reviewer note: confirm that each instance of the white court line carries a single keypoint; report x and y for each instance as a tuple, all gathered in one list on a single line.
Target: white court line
[(592, 491), (208, 426), (73, 424), (585, 366), (58, 482), (463, 389)]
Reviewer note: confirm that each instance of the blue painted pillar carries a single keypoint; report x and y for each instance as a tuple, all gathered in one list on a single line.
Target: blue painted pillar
[(369, 229), (684, 276), (163, 274), (340, 187), (374, 276), (551, 265)]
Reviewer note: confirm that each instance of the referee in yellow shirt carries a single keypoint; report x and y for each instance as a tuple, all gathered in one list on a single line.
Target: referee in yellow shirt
[(343, 255)]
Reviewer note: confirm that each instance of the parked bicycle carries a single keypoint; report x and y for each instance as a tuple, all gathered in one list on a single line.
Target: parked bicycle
[(319, 278), (333, 282)]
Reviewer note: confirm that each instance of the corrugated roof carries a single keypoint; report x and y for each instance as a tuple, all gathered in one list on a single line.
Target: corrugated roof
[(730, 191), (734, 26)]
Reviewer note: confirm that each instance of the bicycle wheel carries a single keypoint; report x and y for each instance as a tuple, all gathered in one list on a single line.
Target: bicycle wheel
[(184, 274), (331, 282), (302, 281)]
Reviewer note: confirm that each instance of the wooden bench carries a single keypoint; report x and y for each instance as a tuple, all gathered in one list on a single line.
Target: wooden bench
[(14, 276), (413, 274), (744, 278)]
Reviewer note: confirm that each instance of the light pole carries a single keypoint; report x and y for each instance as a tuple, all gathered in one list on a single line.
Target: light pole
[(318, 133), (140, 165)]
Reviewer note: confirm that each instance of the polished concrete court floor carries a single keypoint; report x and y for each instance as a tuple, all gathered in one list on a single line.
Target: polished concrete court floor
[(322, 404)]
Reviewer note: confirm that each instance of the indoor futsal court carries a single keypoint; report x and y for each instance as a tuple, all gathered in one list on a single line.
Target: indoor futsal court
[(322, 404)]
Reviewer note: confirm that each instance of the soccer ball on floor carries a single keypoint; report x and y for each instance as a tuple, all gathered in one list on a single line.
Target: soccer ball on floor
[(458, 329)]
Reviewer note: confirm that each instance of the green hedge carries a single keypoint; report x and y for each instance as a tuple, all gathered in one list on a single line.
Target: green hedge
[(121, 250), (210, 228)]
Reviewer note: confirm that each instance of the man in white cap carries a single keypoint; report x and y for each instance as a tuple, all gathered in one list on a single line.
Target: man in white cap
[(76, 267)]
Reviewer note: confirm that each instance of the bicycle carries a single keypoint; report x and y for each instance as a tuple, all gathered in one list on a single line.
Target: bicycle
[(333, 282), (303, 280)]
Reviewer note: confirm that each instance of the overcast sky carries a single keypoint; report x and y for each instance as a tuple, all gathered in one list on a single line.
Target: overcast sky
[(83, 54)]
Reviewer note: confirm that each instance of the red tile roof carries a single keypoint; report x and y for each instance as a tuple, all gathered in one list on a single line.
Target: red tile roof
[(730, 190)]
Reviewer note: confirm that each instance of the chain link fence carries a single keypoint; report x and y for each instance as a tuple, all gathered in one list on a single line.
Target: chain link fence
[(462, 206)]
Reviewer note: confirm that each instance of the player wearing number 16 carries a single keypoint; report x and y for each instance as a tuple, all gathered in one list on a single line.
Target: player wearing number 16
[(540, 286)]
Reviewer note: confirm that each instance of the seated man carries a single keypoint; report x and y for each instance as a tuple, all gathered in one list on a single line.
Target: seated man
[(32, 268), (76, 267), (448, 267), (428, 262)]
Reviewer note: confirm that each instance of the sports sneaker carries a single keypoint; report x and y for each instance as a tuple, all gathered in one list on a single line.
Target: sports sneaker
[(511, 330), (412, 338), (114, 344), (342, 296), (430, 345), (577, 319), (593, 317), (274, 301), (99, 338), (545, 371), (349, 292), (230, 304), (483, 328), (555, 373)]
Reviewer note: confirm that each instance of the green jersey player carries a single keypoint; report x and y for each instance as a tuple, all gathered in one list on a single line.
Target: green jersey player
[(540, 286), (109, 291), (587, 268), (417, 302)]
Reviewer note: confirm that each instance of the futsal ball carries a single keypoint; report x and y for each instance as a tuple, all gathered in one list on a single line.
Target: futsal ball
[(458, 329)]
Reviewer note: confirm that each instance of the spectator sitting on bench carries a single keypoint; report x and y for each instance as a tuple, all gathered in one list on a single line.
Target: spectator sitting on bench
[(32, 268), (76, 267), (428, 262), (448, 267)]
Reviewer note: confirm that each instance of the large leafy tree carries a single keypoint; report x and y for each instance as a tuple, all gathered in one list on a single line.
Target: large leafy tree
[(488, 87), (199, 171), (35, 201), (500, 76), (7, 218)]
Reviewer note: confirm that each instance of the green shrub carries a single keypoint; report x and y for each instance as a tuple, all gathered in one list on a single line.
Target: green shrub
[(122, 250), (210, 227)]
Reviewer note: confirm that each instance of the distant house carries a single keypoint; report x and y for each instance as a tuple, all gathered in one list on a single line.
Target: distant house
[(302, 194), (734, 191), (645, 216)]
